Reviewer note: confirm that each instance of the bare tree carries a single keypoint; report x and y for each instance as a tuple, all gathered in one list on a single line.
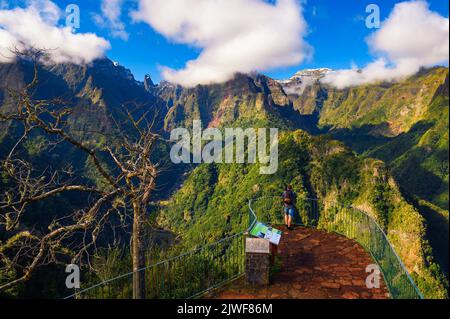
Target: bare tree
[(130, 181)]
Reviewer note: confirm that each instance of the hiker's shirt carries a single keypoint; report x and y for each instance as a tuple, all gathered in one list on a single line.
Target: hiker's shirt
[(294, 198)]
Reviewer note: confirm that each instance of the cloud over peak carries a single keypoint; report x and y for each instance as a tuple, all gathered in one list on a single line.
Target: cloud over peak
[(39, 28), (234, 35), (412, 37)]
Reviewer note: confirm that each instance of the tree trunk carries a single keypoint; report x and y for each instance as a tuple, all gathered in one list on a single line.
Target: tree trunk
[(138, 252)]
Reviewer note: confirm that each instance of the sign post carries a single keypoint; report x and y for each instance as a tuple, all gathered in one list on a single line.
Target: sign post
[(257, 261), (260, 253)]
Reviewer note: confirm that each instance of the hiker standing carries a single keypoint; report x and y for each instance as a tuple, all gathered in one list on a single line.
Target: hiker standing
[(289, 198)]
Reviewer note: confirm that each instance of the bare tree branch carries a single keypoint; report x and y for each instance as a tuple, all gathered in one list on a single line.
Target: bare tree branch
[(132, 181)]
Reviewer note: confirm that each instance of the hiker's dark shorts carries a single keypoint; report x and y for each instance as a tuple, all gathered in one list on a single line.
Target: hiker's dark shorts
[(289, 211)]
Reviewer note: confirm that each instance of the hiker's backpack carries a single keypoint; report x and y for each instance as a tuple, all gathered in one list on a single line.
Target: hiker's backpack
[(288, 197)]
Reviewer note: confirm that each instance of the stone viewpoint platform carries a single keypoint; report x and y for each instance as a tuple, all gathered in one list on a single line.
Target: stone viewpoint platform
[(314, 265)]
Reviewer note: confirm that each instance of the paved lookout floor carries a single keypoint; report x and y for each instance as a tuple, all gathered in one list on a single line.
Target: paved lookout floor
[(314, 265)]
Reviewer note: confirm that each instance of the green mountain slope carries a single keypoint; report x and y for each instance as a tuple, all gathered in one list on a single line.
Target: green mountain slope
[(96, 93), (404, 124), (419, 158)]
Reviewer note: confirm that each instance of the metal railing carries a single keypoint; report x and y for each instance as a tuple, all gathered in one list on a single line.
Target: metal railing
[(197, 272), (186, 276)]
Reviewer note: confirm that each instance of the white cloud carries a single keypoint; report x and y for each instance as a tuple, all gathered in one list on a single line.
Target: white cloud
[(412, 37), (48, 10), (36, 26), (235, 35), (110, 18)]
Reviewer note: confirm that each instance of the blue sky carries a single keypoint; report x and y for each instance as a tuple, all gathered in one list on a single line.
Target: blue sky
[(336, 31)]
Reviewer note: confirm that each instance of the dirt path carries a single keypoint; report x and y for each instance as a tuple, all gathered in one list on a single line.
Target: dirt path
[(315, 265)]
